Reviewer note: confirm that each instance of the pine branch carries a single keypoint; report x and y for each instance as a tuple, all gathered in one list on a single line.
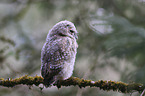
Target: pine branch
[(105, 85)]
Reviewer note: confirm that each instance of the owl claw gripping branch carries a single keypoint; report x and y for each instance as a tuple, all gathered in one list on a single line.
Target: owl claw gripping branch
[(59, 52)]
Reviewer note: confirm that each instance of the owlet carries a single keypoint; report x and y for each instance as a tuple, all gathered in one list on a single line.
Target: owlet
[(59, 52)]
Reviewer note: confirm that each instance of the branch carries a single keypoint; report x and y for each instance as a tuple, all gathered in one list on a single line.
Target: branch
[(2, 38), (105, 85)]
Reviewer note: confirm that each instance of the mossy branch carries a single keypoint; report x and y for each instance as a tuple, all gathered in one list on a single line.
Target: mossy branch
[(105, 85)]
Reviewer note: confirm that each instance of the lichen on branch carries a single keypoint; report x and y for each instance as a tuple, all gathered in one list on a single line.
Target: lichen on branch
[(25, 80), (102, 84)]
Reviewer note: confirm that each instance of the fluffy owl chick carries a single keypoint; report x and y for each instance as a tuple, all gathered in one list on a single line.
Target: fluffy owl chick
[(59, 52)]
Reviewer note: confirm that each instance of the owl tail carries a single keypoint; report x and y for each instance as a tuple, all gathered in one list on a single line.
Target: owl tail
[(51, 78), (49, 81)]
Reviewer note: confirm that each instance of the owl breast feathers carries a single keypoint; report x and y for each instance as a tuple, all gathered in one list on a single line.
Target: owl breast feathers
[(59, 52)]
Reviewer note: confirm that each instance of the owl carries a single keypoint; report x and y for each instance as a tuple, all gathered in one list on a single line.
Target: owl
[(59, 52)]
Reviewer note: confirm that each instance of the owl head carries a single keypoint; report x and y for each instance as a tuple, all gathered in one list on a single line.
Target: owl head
[(64, 29)]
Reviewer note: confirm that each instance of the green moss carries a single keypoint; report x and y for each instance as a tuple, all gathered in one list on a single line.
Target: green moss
[(26, 80), (105, 85), (1, 79)]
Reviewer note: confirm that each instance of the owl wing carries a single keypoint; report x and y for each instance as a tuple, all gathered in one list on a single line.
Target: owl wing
[(53, 55)]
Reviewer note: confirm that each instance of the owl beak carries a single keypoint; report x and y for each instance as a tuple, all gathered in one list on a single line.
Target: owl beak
[(75, 33), (76, 36)]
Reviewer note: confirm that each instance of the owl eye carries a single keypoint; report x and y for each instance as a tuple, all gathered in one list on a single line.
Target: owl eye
[(60, 34), (71, 31)]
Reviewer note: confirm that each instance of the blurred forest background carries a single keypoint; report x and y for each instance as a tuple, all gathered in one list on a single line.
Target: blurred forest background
[(111, 42)]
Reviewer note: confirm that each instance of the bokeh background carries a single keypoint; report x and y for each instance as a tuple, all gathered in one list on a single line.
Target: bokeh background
[(111, 42)]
